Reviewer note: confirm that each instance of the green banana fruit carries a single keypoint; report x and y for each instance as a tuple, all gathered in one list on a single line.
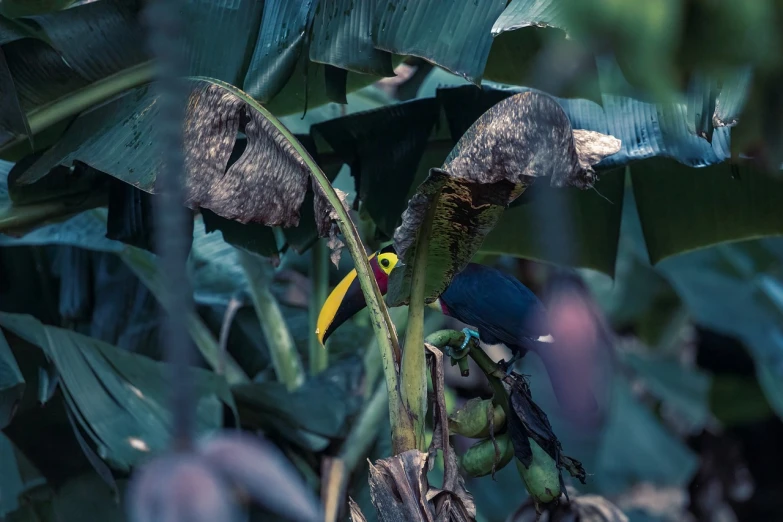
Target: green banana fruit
[(542, 478), (472, 420), (479, 459)]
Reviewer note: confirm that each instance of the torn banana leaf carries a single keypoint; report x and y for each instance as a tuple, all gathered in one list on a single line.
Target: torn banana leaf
[(529, 13), (519, 139), (342, 36), (267, 184), (454, 35)]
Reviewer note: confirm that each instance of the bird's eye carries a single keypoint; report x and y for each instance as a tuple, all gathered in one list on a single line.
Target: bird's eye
[(385, 263)]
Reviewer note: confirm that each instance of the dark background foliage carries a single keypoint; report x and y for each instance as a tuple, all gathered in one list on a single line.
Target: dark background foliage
[(677, 243)]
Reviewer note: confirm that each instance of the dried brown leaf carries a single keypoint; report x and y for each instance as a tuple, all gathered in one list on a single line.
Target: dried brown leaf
[(592, 147), (268, 182), (527, 421), (520, 139), (335, 245), (326, 227), (356, 512), (452, 501), (400, 491), (523, 137), (398, 487)]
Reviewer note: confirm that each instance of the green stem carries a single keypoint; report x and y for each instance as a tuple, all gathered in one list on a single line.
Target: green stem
[(373, 365), (487, 365), (285, 359), (319, 275), (444, 338), (495, 375), (19, 218), (414, 363), (402, 424), (41, 118)]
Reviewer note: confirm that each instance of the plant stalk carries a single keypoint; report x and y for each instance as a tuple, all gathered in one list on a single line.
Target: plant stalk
[(74, 103), (285, 359), (17, 219), (319, 275), (403, 436), (414, 363), (373, 366), (444, 338), (495, 375), (402, 424)]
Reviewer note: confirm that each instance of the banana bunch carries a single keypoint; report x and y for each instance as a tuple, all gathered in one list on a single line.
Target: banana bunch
[(481, 419)]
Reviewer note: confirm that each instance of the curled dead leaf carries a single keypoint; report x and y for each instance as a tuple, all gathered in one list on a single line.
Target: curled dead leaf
[(522, 138), (592, 147), (398, 485), (356, 511), (184, 487), (528, 421), (267, 184), (401, 493), (326, 215)]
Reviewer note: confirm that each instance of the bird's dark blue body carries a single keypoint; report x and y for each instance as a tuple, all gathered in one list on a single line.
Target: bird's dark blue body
[(502, 309), (499, 309)]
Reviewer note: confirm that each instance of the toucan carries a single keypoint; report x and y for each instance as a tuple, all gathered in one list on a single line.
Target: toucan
[(497, 305), (499, 309)]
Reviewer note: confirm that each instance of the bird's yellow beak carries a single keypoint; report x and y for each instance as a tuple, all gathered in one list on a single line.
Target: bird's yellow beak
[(345, 301)]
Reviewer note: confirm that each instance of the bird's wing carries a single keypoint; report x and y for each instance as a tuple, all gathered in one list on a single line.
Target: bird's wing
[(498, 305)]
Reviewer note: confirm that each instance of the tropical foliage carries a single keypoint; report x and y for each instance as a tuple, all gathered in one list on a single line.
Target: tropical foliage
[(641, 197)]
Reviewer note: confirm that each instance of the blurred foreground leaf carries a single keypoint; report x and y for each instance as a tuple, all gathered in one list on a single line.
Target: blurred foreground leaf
[(252, 464)]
